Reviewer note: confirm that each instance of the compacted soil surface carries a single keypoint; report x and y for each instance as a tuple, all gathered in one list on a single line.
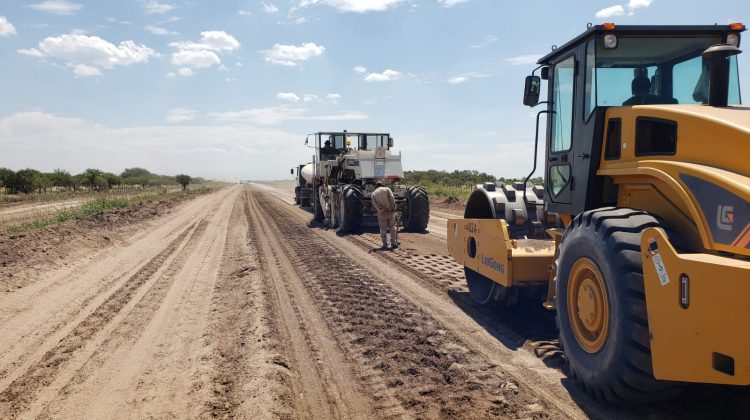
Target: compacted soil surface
[(235, 304)]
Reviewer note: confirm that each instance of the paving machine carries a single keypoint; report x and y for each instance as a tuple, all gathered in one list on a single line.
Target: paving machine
[(641, 235), (345, 169)]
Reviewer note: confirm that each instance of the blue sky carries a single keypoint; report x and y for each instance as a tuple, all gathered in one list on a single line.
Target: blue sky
[(229, 89)]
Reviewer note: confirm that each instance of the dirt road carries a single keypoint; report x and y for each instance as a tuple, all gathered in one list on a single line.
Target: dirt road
[(235, 305)]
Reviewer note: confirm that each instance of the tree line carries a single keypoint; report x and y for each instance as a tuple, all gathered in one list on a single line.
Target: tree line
[(457, 178), (27, 181)]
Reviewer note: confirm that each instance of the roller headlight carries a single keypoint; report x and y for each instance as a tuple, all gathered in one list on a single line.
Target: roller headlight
[(610, 41), (733, 40)]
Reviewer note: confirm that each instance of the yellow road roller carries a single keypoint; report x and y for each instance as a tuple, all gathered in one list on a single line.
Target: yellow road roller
[(641, 232)]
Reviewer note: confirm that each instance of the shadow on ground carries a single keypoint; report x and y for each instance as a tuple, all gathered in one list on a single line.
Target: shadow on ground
[(533, 327)]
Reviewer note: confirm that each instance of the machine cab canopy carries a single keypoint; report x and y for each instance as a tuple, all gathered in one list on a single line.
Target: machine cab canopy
[(334, 143), (643, 65), (613, 66)]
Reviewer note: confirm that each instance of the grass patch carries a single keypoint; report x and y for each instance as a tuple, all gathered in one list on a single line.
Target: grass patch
[(90, 208), (449, 191)]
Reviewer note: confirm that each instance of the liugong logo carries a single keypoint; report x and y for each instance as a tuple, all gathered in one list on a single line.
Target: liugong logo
[(725, 217)]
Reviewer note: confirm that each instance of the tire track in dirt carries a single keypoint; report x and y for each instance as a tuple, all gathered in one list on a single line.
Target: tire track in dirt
[(21, 392), (250, 378), (533, 329), (526, 325), (49, 321), (115, 375), (53, 306), (430, 371), (322, 380), (38, 316), (127, 328)]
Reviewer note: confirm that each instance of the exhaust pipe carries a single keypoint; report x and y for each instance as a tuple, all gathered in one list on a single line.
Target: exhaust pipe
[(718, 82)]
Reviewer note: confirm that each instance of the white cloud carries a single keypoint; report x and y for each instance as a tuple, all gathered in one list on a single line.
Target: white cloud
[(244, 12), (171, 75), (386, 76), (197, 59), (269, 7), (170, 19), (157, 30), (291, 55), (609, 12), (57, 7), (278, 114), (153, 7), (360, 69), (205, 53), (176, 115), (523, 60), (185, 71), (451, 3), (90, 51), (219, 41), (356, 6), (635, 4), (288, 96), (31, 52), (465, 77), (211, 41), (82, 70), (308, 97), (6, 28)]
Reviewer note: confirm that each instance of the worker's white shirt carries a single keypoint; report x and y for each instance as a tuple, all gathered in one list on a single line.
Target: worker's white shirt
[(382, 199)]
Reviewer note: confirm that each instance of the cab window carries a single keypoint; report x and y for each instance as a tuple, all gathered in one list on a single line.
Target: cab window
[(562, 119)]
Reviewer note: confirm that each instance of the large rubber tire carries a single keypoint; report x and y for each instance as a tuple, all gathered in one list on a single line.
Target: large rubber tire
[(619, 369), (418, 211), (352, 206), (317, 208)]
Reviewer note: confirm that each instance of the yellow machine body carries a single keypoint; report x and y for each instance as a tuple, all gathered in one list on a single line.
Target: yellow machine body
[(703, 190), (484, 246), (698, 313)]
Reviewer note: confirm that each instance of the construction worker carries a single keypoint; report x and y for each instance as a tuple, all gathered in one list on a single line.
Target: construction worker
[(382, 199)]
